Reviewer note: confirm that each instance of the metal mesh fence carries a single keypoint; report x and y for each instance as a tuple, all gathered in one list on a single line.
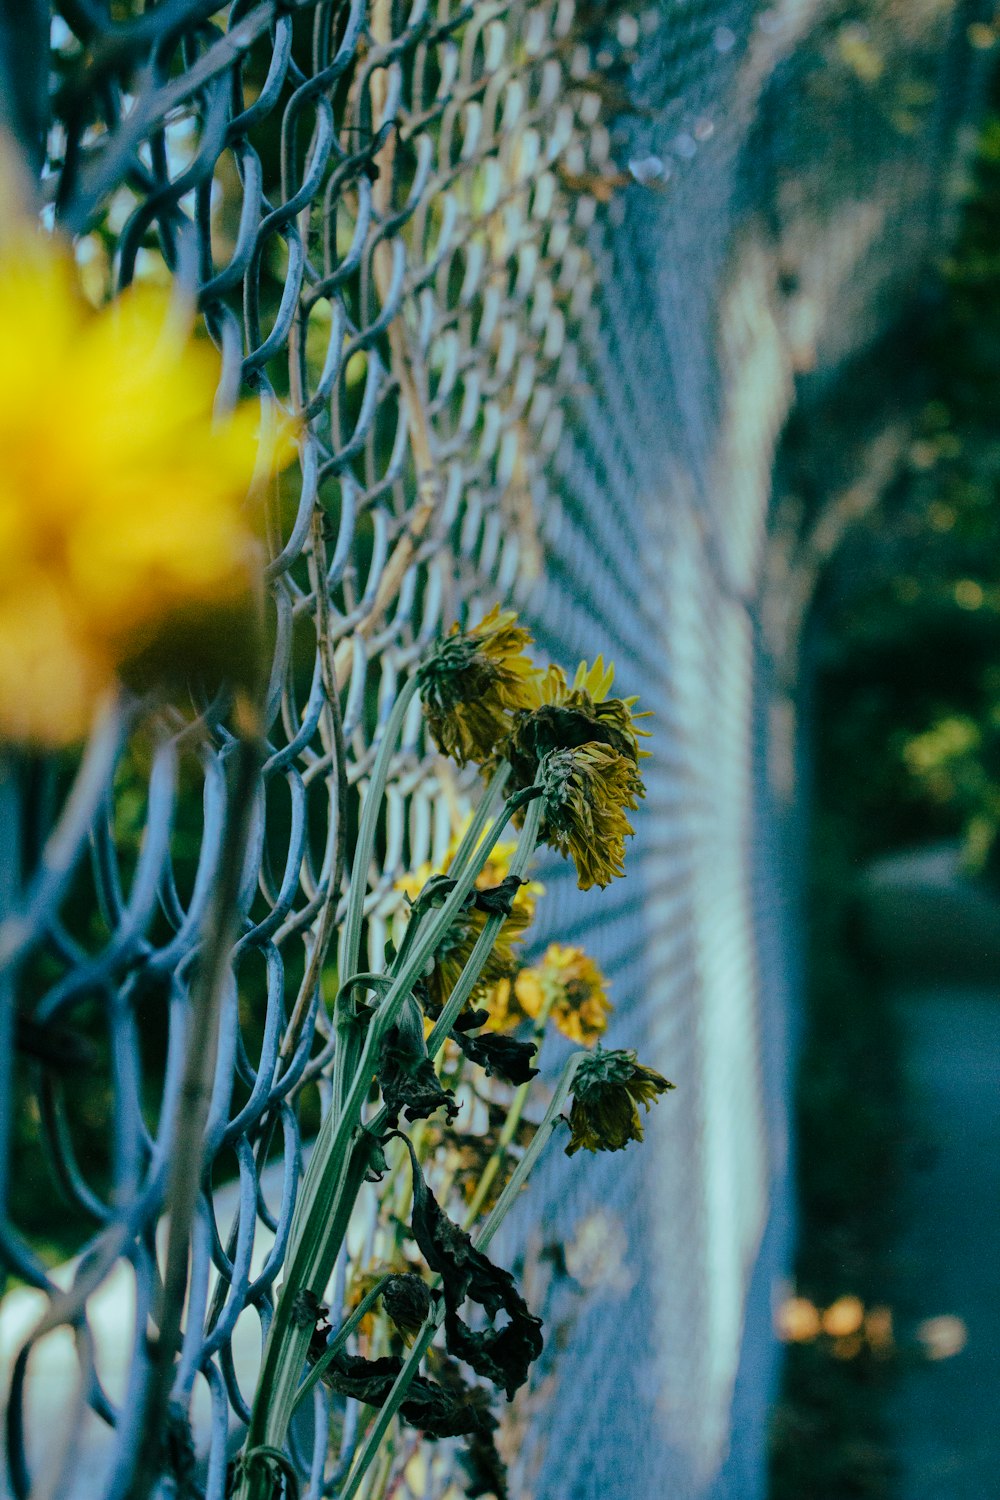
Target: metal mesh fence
[(541, 277)]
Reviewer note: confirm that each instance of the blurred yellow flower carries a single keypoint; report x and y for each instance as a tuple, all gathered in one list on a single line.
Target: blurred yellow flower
[(573, 988), (122, 499), (844, 1316), (798, 1321)]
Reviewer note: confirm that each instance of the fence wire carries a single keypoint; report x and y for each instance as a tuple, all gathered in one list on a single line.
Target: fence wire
[(543, 278)]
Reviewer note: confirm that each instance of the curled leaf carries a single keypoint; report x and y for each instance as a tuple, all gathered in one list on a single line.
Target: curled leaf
[(484, 1468), (307, 1309), (410, 1083), (471, 1020), (501, 1056), (504, 1355), (498, 900), (428, 1406)]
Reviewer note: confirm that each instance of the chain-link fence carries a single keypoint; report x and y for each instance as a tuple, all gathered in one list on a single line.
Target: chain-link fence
[(541, 277)]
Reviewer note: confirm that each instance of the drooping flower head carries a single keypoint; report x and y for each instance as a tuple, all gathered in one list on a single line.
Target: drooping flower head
[(407, 1300), (607, 1090), (565, 716), (584, 796), (572, 987), (582, 748), (471, 683), (122, 496)]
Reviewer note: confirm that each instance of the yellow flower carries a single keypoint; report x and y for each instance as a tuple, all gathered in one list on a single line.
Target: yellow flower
[(453, 953), (584, 796), (575, 990), (505, 1013), (590, 690), (582, 748), (122, 500), (566, 715), (607, 1091), (472, 681)]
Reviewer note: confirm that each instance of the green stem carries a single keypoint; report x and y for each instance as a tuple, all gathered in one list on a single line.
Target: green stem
[(484, 943), (397, 1395), (332, 1349), (464, 852), (336, 1131), (481, 818), (512, 1121), (365, 846), (288, 1341), (551, 1118), (338, 1161), (393, 1402), (482, 948)]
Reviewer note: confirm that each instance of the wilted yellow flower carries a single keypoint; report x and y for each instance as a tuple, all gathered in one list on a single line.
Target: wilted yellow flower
[(582, 747), (451, 957), (455, 950), (573, 988), (584, 796), (564, 715), (590, 690), (472, 681), (122, 514), (608, 1088)]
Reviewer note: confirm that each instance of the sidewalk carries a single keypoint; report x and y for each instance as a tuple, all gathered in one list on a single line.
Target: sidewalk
[(946, 1414)]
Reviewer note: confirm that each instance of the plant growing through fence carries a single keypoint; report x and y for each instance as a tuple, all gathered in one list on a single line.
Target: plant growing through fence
[(561, 761), (123, 580)]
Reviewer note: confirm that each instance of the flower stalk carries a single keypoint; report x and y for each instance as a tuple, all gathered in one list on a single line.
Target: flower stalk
[(343, 1149), (513, 1120), (562, 763)]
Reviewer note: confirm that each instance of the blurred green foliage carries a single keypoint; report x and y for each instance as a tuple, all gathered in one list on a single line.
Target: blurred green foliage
[(906, 741), (909, 655)]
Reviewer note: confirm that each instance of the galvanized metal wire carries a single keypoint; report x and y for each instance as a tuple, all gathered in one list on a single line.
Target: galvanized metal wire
[(540, 278)]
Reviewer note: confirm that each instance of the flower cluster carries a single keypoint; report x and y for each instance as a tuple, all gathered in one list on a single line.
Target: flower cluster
[(123, 524), (438, 1042), (571, 743)]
